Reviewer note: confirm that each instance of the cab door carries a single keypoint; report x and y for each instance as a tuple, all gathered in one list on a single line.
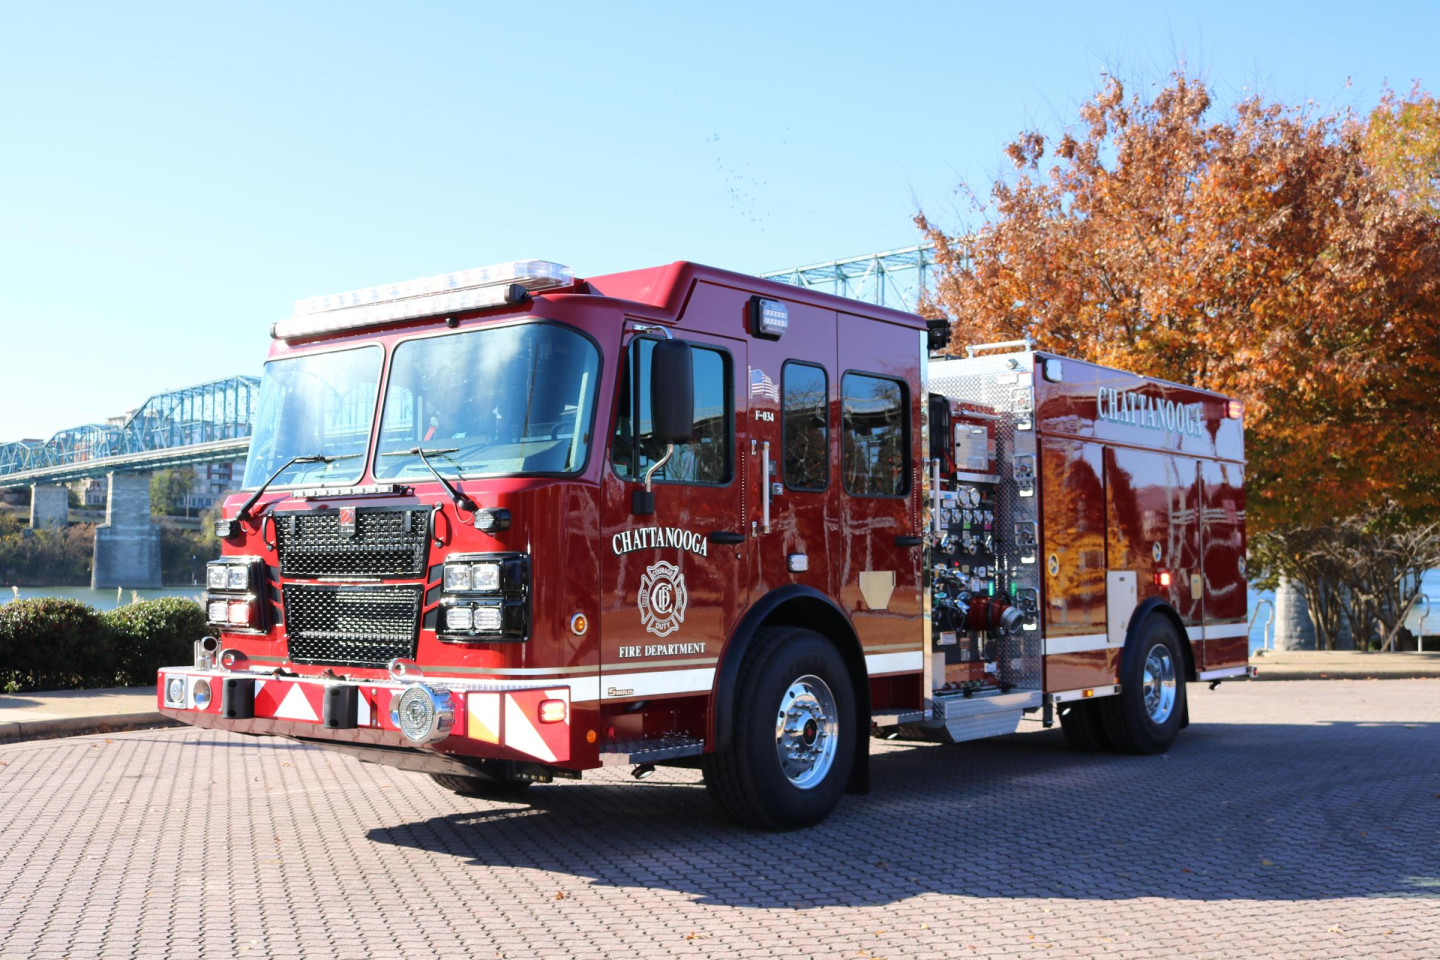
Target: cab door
[(673, 581), (879, 512), (792, 416)]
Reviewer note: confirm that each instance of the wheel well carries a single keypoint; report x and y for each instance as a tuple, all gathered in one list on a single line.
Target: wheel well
[(1186, 645), (825, 620), (799, 607)]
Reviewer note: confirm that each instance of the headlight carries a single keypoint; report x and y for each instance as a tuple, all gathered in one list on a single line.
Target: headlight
[(487, 620), (457, 577), (240, 613), (465, 577), (487, 598), (486, 576), (239, 578), (216, 575), (423, 714)]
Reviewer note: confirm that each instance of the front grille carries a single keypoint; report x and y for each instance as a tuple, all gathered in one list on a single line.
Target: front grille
[(351, 626), (387, 542)]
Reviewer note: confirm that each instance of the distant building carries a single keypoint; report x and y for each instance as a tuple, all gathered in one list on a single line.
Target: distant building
[(212, 482)]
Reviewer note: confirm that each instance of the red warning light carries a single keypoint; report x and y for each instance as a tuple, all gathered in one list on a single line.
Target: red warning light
[(1162, 578)]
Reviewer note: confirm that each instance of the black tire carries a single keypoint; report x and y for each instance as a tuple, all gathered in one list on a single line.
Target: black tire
[(1128, 722), (483, 787), (747, 780), (1084, 730)]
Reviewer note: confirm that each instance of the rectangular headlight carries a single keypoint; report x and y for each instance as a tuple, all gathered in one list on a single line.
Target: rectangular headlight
[(487, 620), (240, 613), (457, 577), (239, 577), (486, 576), (458, 618), (216, 575)]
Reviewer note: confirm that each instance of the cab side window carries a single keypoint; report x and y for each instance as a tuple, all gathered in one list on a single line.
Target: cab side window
[(875, 455), (707, 457), (805, 408)]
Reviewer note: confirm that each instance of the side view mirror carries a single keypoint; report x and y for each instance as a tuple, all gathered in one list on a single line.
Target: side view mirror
[(672, 409), (672, 392)]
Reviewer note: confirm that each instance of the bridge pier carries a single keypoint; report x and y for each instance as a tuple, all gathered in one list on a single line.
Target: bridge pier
[(127, 544), (49, 505)]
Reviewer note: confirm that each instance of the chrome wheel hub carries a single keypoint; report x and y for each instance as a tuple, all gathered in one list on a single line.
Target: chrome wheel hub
[(807, 728), (1159, 684)]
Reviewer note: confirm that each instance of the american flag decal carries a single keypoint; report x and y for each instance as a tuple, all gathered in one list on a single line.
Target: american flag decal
[(762, 386)]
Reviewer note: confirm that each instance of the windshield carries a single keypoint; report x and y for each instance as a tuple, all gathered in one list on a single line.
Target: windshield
[(320, 403), (506, 400)]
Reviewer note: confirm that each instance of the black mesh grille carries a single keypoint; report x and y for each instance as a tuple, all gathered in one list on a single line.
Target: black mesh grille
[(351, 626), (387, 543)]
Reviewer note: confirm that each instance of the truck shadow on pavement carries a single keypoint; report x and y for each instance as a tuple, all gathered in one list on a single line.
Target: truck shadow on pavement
[(1233, 812)]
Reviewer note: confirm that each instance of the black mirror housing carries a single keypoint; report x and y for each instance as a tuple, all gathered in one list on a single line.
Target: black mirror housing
[(672, 392)]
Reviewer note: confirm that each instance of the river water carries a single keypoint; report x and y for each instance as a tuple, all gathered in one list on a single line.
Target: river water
[(110, 599), (99, 599)]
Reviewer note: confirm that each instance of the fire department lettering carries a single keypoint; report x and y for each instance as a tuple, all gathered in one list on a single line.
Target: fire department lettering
[(662, 598), (648, 538), (660, 650)]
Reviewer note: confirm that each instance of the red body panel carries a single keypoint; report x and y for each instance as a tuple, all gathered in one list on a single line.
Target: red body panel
[(1151, 486)]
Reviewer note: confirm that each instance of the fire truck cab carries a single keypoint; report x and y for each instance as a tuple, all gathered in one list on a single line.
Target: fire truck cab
[(506, 525)]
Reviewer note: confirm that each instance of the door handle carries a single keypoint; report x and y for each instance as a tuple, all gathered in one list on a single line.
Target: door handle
[(765, 487), (908, 541), (725, 536)]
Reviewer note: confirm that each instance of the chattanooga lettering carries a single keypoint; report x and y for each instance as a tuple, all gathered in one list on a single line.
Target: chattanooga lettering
[(660, 650), (1153, 413), (650, 538)]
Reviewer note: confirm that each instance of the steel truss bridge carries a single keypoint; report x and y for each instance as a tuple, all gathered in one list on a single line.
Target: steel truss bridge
[(211, 422), (205, 423), (893, 278)]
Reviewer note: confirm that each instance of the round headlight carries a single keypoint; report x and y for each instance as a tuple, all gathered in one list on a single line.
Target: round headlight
[(422, 714), (202, 694), (175, 690)]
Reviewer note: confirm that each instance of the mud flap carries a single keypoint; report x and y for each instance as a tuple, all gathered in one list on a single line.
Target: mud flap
[(859, 782)]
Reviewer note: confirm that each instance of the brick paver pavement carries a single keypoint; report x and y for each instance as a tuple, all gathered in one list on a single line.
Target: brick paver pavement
[(1292, 820)]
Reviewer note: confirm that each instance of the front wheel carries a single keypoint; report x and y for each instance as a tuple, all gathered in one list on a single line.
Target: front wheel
[(792, 747), (1149, 712)]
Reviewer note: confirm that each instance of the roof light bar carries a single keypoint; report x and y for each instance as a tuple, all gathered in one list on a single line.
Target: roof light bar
[(493, 286)]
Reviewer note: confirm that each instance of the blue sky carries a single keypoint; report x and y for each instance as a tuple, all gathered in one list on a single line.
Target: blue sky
[(173, 177)]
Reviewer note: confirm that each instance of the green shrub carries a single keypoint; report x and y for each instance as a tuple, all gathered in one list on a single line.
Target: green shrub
[(152, 634), (53, 644)]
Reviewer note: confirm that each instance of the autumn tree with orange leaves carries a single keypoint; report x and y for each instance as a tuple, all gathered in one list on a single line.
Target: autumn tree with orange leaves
[(1284, 255)]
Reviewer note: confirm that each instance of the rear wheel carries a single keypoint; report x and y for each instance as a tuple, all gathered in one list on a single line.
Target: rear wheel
[(1084, 730), (484, 787), (1149, 712), (792, 747)]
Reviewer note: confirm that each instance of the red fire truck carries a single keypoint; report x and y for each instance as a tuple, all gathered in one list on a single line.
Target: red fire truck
[(507, 525)]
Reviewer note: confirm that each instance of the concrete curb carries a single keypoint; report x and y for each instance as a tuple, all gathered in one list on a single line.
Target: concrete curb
[(1339, 673), (14, 731)]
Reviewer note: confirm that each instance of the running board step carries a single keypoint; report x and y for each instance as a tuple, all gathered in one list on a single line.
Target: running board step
[(629, 753)]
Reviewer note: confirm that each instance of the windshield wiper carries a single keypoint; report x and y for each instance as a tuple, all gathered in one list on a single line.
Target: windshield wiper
[(244, 513), (462, 502)]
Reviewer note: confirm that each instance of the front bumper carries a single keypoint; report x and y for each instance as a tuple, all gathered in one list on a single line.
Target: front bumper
[(492, 720)]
